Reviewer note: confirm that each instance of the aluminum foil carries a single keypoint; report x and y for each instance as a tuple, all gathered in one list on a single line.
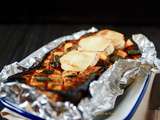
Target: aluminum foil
[(36, 57), (30, 100), (104, 91), (149, 53)]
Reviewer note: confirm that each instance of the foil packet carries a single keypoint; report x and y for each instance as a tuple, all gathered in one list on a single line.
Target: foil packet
[(104, 91)]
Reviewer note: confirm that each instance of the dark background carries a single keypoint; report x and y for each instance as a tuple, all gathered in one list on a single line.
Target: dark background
[(117, 12), (25, 26)]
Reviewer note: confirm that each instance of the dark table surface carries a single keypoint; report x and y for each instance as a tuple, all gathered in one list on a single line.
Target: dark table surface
[(19, 40)]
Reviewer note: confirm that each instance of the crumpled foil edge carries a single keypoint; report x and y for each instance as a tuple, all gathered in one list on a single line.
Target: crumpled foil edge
[(149, 53), (36, 57), (104, 91)]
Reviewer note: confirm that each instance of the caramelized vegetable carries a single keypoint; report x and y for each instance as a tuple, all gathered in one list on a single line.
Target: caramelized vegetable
[(136, 56), (67, 46), (128, 43), (121, 53), (103, 55)]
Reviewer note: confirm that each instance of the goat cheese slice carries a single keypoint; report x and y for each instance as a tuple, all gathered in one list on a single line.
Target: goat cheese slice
[(116, 38), (78, 61), (95, 44)]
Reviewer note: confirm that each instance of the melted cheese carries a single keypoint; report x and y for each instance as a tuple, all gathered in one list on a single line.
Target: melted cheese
[(89, 47), (116, 38), (78, 61), (96, 43)]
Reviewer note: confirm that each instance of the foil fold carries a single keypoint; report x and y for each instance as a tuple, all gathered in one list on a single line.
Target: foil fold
[(104, 91), (149, 53), (36, 57), (28, 99)]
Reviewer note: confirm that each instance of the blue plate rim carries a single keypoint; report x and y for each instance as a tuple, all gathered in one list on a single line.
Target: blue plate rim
[(31, 116), (134, 108), (19, 111)]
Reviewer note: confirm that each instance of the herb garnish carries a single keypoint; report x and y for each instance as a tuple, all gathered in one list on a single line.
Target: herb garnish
[(133, 52), (47, 71), (71, 75), (56, 61), (42, 79), (92, 75)]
